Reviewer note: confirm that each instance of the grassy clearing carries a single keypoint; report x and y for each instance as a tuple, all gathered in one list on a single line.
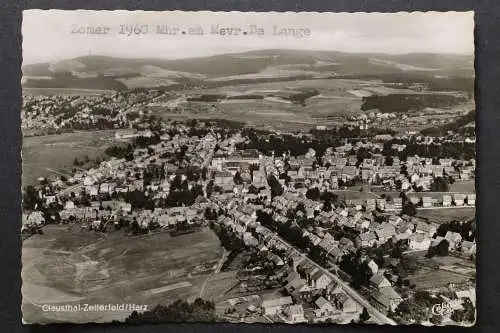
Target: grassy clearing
[(429, 279), (356, 195), (437, 272), (468, 186), (446, 215), (46, 155), (66, 265), (64, 92), (219, 284), (331, 106)]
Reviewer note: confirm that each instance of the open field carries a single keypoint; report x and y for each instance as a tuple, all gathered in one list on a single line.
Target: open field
[(437, 272), (468, 186), (280, 104), (269, 103), (50, 154), (356, 194), (146, 82), (64, 92), (446, 215), (219, 284), (270, 121), (436, 279), (68, 265)]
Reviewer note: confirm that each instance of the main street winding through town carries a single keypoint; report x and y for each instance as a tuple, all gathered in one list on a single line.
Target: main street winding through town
[(379, 316)]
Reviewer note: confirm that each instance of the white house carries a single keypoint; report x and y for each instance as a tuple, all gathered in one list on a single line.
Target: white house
[(419, 242), (324, 308)]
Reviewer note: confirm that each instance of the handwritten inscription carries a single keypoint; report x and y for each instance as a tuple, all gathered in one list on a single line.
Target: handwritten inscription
[(130, 30), (293, 32), (133, 29), (90, 30)]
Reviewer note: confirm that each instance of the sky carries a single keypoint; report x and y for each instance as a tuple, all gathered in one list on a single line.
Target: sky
[(47, 34)]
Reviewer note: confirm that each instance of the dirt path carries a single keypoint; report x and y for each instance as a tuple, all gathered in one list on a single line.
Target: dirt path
[(216, 271)]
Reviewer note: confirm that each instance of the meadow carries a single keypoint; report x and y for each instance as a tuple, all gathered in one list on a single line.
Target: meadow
[(70, 265), (54, 154), (275, 106), (437, 272), (446, 215)]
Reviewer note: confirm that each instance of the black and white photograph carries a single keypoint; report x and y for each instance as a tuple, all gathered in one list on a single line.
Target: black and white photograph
[(244, 167)]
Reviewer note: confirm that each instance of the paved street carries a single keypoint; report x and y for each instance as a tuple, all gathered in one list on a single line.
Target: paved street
[(379, 316)]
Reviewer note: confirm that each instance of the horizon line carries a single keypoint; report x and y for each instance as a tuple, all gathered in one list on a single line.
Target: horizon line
[(249, 51)]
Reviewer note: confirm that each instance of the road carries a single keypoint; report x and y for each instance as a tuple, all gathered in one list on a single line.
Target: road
[(216, 271), (375, 313), (67, 191), (445, 207), (142, 102)]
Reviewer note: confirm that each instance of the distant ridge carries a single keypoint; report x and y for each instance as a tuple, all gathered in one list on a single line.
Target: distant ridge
[(254, 61)]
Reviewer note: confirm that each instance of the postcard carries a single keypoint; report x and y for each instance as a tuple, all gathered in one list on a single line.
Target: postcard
[(244, 167)]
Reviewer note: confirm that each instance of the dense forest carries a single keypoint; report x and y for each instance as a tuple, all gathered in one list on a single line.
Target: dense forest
[(177, 312), (69, 81), (456, 150), (399, 103), (433, 82)]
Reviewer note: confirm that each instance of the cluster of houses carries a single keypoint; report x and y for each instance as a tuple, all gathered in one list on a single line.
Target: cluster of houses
[(41, 114), (309, 293), (98, 195), (240, 188), (382, 293), (308, 287), (412, 120), (341, 166), (418, 234)]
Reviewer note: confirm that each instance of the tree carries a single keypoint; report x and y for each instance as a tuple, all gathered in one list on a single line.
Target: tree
[(329, 197), (30, 198), (139, 200), (442, 248), (361, 154), (180, 198), (436, 319), (458, 315), (253, 190), (364, 316), (313, 193), (409, 209), (179, 311), (210, 187), (318, 255), (276, 188), (237, 178), (357, 268), (406, 266), (397, 252), (416, 308), (176, 183), (439, 250), (440, 184), (469, 311)]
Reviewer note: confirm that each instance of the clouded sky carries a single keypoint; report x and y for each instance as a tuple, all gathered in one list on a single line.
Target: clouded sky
[(47, 35)]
